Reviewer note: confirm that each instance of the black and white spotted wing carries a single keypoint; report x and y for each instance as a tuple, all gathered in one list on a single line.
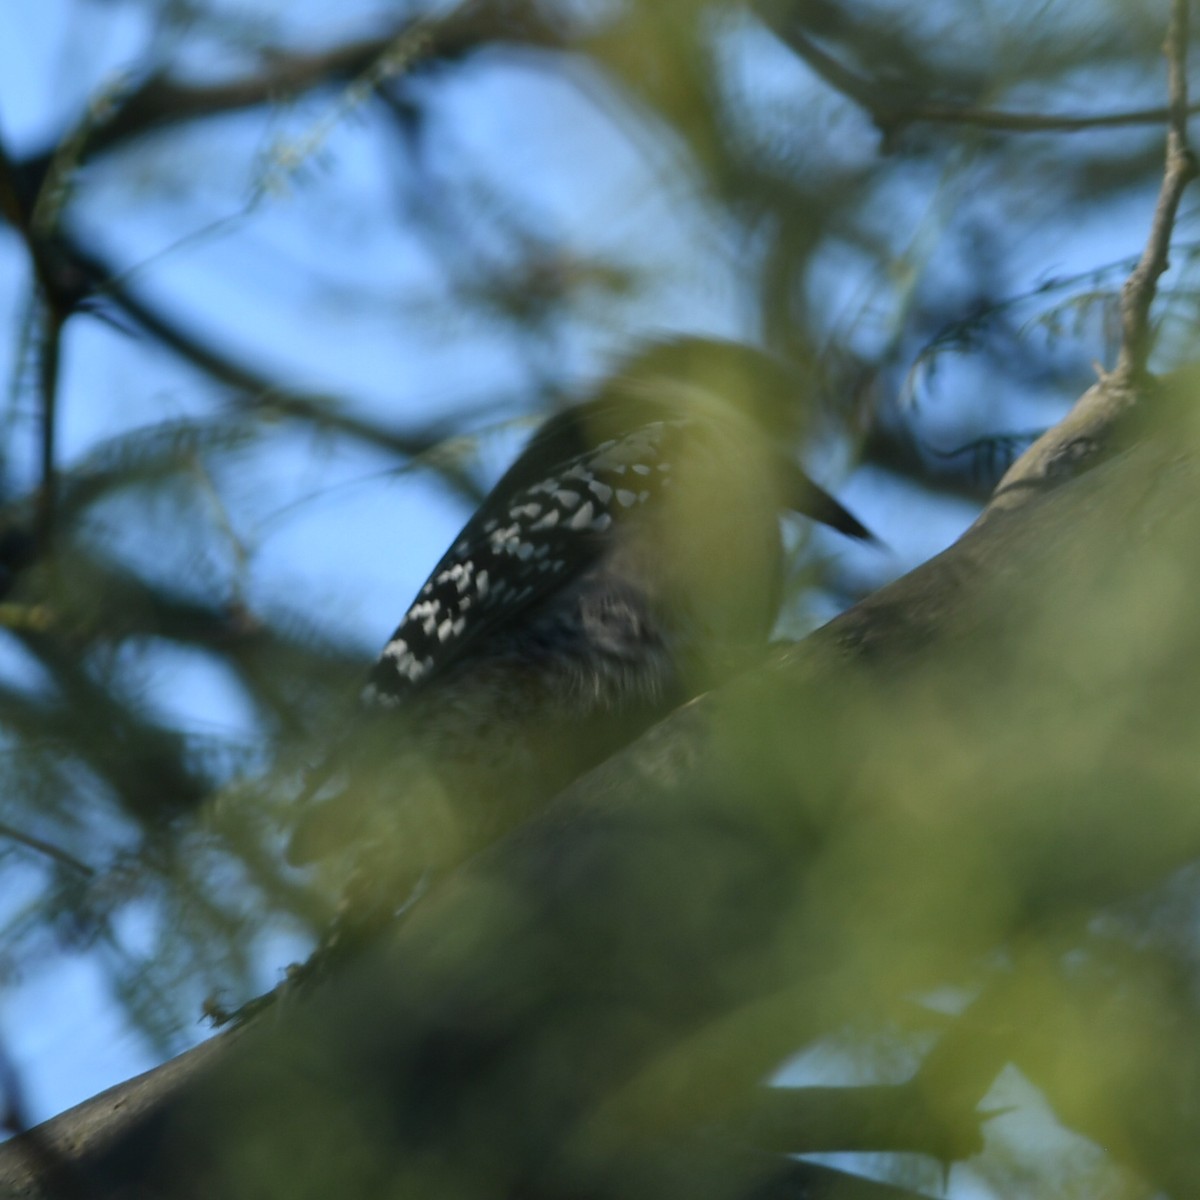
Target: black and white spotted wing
[(547, 520)]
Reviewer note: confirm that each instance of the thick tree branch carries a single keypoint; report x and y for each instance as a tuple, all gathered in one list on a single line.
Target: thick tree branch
[(562, 884)]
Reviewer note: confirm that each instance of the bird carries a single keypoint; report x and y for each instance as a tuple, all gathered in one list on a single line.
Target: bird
[(629, 558)]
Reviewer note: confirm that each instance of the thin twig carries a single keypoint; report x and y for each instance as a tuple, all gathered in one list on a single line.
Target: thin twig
[(57, 303), (50, 352), (48, 849), (1017, 122), (1141, 287)]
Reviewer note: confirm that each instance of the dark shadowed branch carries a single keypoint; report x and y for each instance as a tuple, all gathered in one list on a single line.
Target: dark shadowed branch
[(893, 108)]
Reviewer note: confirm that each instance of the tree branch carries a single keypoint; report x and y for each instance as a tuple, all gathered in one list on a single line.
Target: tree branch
[(47, 849), (560, 914), (892, 109), (58, 301), (161, 102), (1140, 288)]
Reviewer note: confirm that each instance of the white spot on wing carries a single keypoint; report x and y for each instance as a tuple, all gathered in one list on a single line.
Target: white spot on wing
[(583, 518)]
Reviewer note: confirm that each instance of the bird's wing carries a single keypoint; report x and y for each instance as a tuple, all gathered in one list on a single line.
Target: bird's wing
[(547, 520)]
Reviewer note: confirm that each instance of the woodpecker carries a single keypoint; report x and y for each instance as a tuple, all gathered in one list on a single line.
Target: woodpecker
[(628, 559)]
